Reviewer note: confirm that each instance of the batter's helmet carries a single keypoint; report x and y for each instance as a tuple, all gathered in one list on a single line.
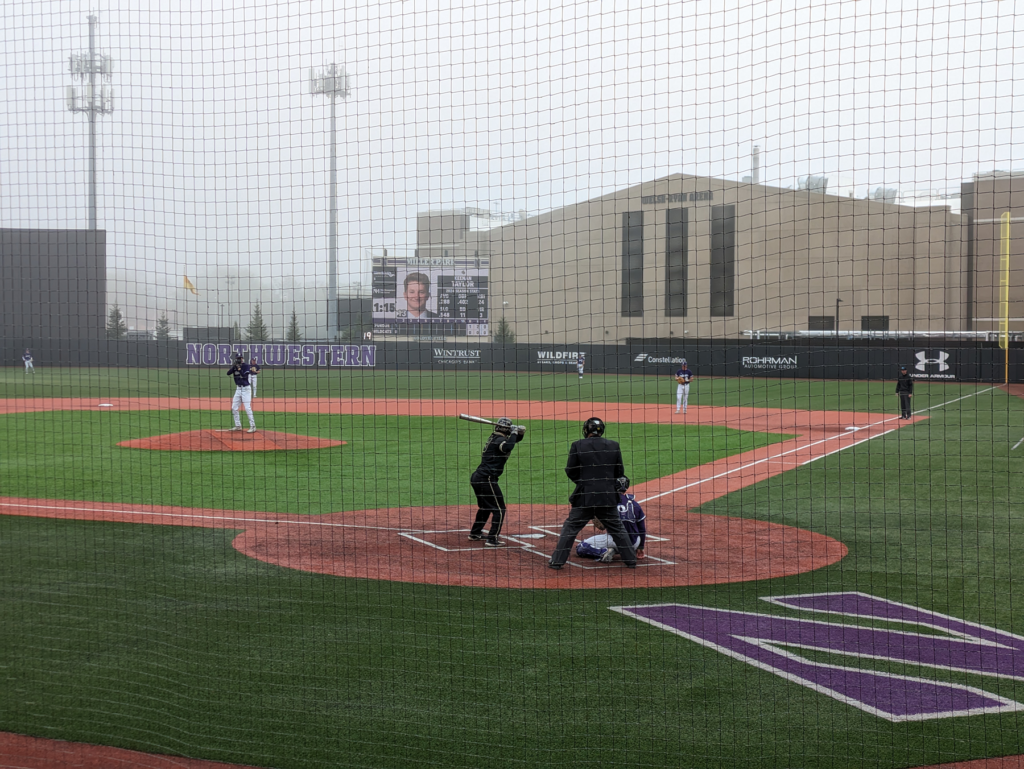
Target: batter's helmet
[(504, 426), (593, 426)]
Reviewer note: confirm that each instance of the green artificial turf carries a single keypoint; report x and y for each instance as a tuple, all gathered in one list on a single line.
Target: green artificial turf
[(165, 639)]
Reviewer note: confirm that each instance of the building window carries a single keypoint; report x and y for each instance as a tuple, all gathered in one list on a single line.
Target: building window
[(821, 323), (723, 260), (677, 231), (632, 263), (874, 322)]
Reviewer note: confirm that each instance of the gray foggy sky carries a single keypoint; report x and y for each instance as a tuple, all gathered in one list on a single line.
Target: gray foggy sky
[(217, 153)]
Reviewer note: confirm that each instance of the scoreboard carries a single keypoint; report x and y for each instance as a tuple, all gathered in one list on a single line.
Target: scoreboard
[(433, 296)]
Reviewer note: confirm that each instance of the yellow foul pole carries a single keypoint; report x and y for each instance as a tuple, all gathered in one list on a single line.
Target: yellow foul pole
[(1004, 291)]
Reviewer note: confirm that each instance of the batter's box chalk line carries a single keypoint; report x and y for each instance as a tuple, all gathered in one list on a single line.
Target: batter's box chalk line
[(529, 547)]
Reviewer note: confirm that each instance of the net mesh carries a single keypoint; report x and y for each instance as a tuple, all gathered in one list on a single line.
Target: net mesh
[(256, 262)]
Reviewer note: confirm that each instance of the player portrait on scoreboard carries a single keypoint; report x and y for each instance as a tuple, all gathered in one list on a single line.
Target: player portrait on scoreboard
[(426, 295), (416, 293)]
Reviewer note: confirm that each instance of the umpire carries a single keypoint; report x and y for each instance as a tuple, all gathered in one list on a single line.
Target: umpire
[(905, 389), (595, 466), (484, 480)]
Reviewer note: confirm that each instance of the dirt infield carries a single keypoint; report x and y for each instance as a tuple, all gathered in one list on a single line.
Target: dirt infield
[(429, 545), (227, 440), (20, 752)]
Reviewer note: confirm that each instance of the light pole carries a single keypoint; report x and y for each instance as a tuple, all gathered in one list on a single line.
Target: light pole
[(85, 67), (332, 82), (838, 300)]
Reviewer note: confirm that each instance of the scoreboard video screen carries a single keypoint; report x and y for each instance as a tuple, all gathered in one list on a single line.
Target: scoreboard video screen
[(430, 296)]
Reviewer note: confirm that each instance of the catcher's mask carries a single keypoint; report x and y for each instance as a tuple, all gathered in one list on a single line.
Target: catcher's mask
[(504, 426), (621, 484), (593, 426)]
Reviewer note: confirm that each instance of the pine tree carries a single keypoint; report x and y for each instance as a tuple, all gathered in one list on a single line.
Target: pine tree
[(163, 328), (504, 333), (257, 331), (116, 327), (293, 334)]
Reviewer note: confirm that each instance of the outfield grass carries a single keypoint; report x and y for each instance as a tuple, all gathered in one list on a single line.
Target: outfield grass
[(386, 462), (810, 394), (167, 640)]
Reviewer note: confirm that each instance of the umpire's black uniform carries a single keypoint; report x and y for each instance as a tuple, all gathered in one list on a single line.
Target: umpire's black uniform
[(594, 465), (905, 389), (484, 480)]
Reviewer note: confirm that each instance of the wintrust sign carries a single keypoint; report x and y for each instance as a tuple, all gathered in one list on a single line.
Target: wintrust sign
[(451, 357)]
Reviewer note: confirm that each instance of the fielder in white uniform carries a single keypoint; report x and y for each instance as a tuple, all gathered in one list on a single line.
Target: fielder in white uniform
[(243, 394), (27, 357), (683, 378), (254, 370), (580, 362)]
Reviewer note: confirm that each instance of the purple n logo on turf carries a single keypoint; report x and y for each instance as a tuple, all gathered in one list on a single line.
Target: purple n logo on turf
[(773, 643)]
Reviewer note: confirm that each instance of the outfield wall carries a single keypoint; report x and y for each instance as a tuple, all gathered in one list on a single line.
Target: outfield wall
[(706, 358)]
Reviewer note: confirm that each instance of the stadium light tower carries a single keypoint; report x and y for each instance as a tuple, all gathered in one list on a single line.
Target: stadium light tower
[(85, 67), (333, 82)]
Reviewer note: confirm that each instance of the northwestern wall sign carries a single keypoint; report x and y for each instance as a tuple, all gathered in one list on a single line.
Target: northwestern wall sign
[(302, 355)]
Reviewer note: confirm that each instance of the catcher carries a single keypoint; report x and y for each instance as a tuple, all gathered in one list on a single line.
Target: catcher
[(601, 546), (683, 378), (484, 480)]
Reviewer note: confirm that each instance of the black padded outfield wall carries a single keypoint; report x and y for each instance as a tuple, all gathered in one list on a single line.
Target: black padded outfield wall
[(927, 361)]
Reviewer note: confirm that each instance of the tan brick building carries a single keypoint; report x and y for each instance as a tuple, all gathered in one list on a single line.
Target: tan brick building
[(696, 257)]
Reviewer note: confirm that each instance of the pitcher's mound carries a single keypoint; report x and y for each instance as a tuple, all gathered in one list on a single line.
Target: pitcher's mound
[(225, 440)]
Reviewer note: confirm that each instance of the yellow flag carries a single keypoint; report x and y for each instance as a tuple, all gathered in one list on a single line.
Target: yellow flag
[(190, 287)]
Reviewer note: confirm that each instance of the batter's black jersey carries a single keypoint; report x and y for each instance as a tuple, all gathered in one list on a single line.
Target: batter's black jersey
[(496, 453)]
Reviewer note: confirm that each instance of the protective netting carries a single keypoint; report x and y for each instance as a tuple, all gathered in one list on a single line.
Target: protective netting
[(257, 261)]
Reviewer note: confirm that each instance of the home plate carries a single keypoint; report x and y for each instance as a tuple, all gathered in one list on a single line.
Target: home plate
[(528, 536)]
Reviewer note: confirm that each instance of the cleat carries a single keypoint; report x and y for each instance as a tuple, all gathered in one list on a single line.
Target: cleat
[(631, 565), (476, 537), (236, 429), (607, 556), (555, 566), (251, 430), (494, 543)]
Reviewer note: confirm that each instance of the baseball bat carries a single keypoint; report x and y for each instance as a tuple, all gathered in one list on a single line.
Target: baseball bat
[(481, 420)]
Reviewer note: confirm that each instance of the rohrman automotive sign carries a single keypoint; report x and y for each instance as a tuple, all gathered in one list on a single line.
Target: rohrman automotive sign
[(770, 362)]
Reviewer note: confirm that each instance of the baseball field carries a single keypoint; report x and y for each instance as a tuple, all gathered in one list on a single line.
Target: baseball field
[(826, 585)]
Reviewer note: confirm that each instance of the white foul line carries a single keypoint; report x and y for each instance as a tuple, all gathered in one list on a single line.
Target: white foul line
[(205, 517), (810, 445)]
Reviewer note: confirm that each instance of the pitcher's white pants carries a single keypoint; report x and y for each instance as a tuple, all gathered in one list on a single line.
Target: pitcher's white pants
[(682, 396), (243, 397)]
